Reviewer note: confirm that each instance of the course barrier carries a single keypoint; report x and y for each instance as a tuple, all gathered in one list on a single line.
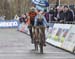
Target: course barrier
[(9, 23), (23, 28), (59, 35), (62, 36)]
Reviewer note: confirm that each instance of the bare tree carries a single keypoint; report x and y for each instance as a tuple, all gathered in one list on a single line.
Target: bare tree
[(9, 8)]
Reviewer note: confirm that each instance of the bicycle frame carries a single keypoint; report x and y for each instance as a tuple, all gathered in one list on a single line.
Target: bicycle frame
[(38, 33)]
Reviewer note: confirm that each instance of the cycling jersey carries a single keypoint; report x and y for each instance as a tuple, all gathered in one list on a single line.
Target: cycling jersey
[(42, 22), (32, 17)]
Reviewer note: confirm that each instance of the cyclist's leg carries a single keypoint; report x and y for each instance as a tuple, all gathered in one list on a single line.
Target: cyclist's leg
[(44, 40), (36, 34), (36, 40), (31, 34), (41, 40)]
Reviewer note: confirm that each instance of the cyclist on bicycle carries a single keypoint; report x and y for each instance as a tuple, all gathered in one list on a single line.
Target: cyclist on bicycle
[(32, 15), (41, 20)]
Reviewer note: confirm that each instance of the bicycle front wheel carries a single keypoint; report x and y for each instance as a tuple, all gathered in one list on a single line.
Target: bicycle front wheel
[(41, 43)]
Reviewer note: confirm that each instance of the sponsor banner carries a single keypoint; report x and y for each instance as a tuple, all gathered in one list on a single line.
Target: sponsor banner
[(23, 28), (40, 4), (8, 23), (60, 35), (43, 3), (48, 31), (57, 34), (40, 8), (69, 43)]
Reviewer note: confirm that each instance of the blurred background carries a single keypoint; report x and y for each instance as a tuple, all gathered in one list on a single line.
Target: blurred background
[(10, 8)]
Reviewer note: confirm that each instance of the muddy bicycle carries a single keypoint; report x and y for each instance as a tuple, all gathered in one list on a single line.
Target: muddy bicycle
[(38, 33)]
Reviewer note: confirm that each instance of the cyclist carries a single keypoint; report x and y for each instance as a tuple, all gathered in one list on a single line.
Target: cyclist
[(41, 20), (32, 15)]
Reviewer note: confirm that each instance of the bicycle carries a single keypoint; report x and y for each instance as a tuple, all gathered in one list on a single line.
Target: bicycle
[(38, 37)]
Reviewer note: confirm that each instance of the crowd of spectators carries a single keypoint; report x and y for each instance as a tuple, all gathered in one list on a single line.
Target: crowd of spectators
[(61, 14)]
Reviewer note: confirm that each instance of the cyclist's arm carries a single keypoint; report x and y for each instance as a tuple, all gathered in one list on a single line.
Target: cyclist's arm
[(45, 22), (35, 21)]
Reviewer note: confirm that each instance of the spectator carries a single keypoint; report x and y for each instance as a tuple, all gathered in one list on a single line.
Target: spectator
[(51, 15), (2, 17), (72, 13), (68, 14), (46, 15), (23, 18), (59, 15), (16, 17)]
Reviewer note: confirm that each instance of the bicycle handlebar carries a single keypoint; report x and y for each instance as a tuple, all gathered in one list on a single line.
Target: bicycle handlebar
[(37, 26)]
